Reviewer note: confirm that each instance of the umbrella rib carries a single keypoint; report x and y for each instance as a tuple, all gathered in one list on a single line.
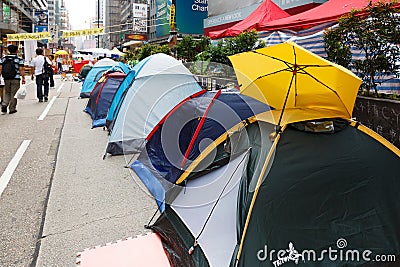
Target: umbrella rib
[(284, 104), (305, 72), (265, 75), (278, 59), (275, 72)]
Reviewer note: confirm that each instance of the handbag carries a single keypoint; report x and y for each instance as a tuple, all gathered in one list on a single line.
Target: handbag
[(2, 83), (21, 93)]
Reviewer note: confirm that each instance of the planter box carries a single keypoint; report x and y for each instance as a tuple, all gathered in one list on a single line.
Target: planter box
[(380, 115)]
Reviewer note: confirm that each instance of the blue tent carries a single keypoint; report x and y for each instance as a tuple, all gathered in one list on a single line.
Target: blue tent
[(101, 96), (121, 92), (160, 83), (186, 132), (95, 74)]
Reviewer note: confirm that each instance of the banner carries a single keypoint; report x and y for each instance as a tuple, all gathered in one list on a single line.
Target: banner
[(28, 36), (95, 31)]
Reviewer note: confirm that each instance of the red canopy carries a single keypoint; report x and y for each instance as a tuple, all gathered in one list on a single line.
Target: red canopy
[(328, 12), (267, 11)]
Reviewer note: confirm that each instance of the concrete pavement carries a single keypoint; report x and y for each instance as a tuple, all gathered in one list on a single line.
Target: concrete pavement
[(92, 201)]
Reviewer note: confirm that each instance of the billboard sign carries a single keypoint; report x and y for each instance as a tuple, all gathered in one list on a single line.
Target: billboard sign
[(6, 13), (140, 10), (40, 29), (137, 37), (190, 15), (41, 18), (139, 25), (229, 17), (218, 7), (162, 17)]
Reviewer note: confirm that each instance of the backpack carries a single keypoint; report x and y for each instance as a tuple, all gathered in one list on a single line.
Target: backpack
[(9, 72), (47, 69)]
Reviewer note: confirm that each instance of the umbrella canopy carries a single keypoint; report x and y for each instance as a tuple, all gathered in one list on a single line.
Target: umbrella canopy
[(298, 84), (115, 51), (61, 52)]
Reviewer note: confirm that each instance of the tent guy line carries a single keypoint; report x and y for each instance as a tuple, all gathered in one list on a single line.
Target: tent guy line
[(7, 174)]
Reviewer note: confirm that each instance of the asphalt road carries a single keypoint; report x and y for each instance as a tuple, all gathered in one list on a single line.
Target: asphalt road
[(62, 197)]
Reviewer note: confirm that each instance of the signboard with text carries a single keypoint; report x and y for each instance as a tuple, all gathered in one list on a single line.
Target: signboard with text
[(162, 17), (41, 18), (190, 15), (134, 36)]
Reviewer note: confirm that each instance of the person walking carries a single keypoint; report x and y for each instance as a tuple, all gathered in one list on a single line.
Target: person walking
[(42, 81), (59, 64), (53, 64), (12, 70)]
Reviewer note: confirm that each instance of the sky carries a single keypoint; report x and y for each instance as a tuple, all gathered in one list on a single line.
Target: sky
[(80, 13)]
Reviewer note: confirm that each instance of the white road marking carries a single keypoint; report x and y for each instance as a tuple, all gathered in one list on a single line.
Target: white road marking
[(6, 176), (59, 88), (47, 109)]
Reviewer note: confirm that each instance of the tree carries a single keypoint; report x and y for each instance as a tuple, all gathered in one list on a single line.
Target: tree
[(148, 50), (375, 33), (188, 47), (145, 51), (245, 41)]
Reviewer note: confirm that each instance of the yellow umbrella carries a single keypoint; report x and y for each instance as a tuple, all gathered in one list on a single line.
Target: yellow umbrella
[(61, 52), (296, 83)]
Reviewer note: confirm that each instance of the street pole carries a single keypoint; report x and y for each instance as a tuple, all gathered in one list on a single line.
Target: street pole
[(98, 22)]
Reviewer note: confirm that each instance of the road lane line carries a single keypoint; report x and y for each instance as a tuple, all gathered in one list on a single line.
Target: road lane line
[(47, 109), (59, 88), (6, 176)]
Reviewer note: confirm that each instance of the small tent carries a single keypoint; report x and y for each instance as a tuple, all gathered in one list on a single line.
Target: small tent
[(121, 92), (101, 97), (316, 184), (188, 129), (159, 85), (94, 75)]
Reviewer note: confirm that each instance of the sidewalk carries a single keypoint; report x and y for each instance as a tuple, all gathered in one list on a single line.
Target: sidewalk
[(92, 201)]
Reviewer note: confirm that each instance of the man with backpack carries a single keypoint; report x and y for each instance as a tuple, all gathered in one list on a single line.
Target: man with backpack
[(40, 64), (12, 70)]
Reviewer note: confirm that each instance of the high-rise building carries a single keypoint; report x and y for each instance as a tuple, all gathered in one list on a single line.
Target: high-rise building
[(112, 23), (64, 24), (98, 21)]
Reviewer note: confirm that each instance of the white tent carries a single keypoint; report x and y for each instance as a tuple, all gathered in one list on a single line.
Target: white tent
[(160, 84)]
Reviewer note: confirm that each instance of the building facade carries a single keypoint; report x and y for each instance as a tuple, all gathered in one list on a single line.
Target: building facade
[(112, 23), (98, 22), (17, 16), (134, 20)]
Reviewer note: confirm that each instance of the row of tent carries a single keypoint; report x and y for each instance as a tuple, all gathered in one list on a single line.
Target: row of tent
[(229, 183)]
